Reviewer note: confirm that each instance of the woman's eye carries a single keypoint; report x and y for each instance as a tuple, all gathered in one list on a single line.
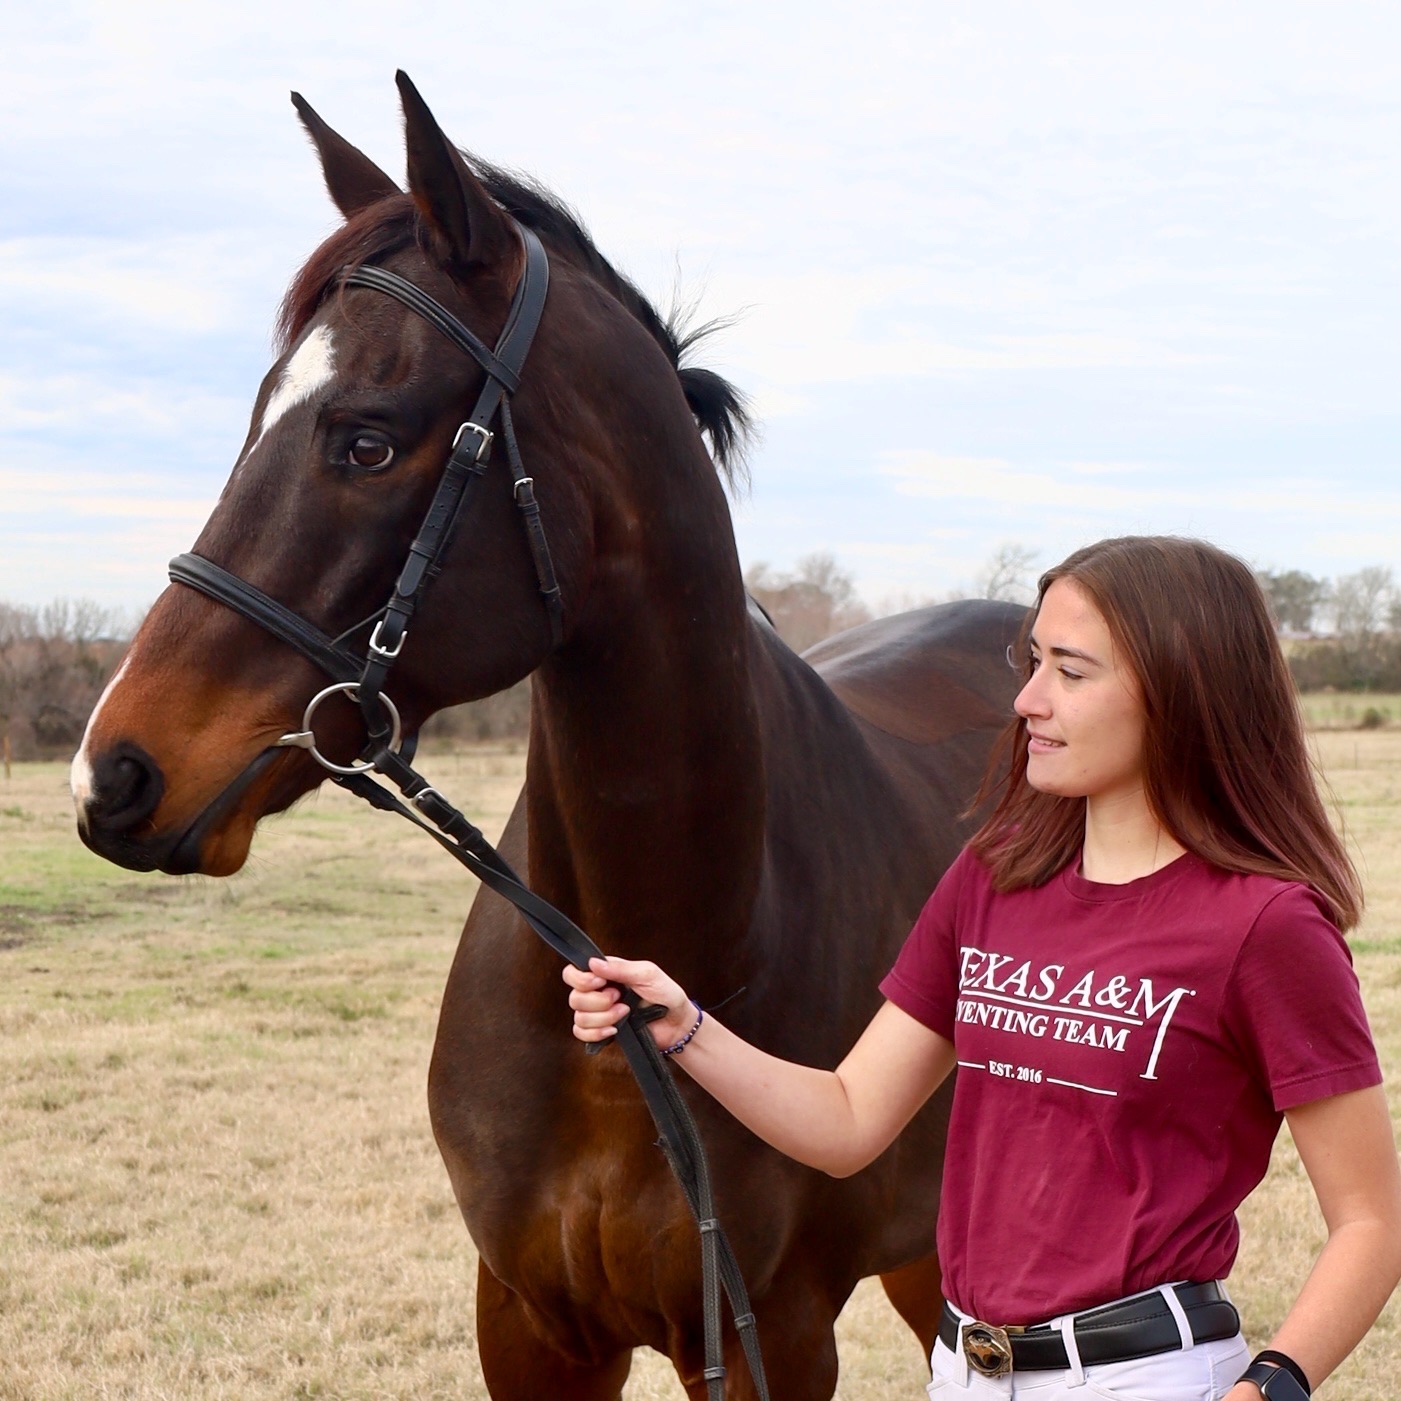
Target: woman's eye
[(371, 453), (1071, 675)]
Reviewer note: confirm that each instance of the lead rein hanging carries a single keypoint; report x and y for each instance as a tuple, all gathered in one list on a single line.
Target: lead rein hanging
[(680, 1137)]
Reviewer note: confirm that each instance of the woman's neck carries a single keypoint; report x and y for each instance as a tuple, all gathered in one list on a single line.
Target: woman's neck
[(1124, 840)]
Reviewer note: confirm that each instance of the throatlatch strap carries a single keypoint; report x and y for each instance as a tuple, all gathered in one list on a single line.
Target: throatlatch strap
[(523, 489)]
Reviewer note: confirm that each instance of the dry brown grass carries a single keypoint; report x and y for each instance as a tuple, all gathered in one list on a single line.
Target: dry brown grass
[(216, 1172)]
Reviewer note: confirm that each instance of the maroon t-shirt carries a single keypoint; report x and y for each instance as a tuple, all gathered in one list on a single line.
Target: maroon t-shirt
[(1124, 1052)]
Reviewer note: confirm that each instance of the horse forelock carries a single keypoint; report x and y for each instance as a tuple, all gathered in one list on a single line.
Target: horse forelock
[(392, 224)]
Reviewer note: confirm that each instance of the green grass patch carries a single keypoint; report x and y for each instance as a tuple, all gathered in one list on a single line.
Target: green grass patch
[(1351, 710)]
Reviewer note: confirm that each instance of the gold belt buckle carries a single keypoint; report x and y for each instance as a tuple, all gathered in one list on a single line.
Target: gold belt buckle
[(988, 1348)]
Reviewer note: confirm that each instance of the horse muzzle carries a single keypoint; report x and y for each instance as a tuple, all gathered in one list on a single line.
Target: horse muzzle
[(117, 795)]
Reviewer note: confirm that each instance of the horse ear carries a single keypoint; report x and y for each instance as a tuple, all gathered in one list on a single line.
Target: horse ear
[(353, 179), (478, 232)]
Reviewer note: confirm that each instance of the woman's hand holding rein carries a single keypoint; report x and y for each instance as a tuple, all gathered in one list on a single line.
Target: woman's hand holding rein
[(598, 1005), (836, 1120)]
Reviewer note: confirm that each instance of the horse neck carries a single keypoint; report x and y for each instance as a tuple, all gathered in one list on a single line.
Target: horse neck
[(644, 785)]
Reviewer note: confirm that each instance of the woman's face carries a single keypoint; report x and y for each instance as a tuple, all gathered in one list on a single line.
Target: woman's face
[(1082, 706)]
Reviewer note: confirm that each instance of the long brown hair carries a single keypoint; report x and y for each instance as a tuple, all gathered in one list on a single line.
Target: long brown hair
[(1226, 767)]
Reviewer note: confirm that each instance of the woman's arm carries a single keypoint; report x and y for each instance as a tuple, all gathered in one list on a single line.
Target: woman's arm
[(837, 1120), (1346, 1147)]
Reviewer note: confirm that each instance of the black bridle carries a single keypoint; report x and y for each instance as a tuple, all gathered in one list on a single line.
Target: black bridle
[(465, 468), (388, 753)]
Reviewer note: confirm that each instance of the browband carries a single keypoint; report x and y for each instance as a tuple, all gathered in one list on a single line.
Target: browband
[(441, 319)]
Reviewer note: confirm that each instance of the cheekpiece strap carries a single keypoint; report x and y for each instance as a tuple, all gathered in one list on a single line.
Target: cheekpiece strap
[(470, 450)]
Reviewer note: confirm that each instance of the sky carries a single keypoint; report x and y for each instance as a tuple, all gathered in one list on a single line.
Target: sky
[(1032, 273)]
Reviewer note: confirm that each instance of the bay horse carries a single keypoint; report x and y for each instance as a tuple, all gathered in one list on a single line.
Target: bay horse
[(764, 826)]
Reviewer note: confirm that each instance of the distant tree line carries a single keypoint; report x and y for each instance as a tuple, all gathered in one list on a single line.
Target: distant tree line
[(54, 662), (817, 599), (1339, 634)]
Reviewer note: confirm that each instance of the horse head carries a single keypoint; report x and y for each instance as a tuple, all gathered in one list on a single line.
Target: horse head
[(345, 452)]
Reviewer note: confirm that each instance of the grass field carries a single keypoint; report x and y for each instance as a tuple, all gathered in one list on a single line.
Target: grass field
[(1351, 710), (217, 1177)]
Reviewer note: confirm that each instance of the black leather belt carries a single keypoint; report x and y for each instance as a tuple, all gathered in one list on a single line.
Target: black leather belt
[(1138, 1327)]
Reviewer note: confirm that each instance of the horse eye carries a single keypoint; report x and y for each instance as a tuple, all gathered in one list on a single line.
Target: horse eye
[(370, 452)]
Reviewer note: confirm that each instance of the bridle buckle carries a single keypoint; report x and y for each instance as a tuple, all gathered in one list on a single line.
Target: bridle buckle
[(421, 798), (485, 436), (385, 654), (988, 1348)]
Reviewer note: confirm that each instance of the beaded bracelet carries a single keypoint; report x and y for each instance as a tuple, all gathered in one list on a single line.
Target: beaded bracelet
[(681, 1044)]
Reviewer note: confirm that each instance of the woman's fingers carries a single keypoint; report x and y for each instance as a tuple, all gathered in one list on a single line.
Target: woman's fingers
[(627, 971), (595, 1025), (584, 1032), (581, 977), (637, 974), (647, 980), (597, 1002), (596, 1005)]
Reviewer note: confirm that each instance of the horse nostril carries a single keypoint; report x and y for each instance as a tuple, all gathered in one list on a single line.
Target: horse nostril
[(127, 788)]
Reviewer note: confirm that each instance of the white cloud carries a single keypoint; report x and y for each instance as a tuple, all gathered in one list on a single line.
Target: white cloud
[(102, 403), (995, 481), (1065, 240), (116, 567), (768, 402), (187, 283), (818, 330), (109, 495)]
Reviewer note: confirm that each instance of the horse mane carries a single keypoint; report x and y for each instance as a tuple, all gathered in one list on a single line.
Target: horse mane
[(394, 223)]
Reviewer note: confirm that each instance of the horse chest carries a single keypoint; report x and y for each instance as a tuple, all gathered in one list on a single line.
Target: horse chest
[(564, 1212)]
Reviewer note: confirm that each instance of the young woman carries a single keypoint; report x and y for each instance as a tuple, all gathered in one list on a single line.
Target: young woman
[(1138, 967)]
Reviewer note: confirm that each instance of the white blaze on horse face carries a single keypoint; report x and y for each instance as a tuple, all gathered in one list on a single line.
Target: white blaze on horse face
[(311, 366), (80, 775)]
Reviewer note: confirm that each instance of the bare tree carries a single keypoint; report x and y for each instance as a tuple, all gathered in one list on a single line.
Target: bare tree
[(1295, 598), (1362, 602), (905, 600), (54, 662), (505, 715), (1008, 576), (16, 623), (815, 601)]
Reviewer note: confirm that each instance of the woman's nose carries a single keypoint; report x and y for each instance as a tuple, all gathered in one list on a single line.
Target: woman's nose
[(1030, 699)]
